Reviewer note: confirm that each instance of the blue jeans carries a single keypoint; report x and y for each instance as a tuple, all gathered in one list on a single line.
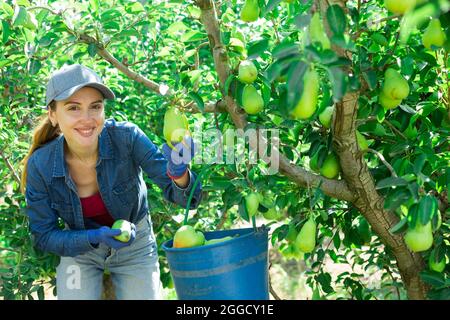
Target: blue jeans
[(134, 270)]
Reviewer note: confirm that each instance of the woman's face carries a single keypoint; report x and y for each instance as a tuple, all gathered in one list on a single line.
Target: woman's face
[(80, 118)]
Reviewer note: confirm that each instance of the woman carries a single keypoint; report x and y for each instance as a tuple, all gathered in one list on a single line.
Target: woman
[(86, 172)]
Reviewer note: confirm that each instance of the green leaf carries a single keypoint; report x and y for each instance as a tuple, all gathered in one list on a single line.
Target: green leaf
[(395, 199), (285, 49), (7, 9), (428, 207), (336, 19), (6, 31), (228, 82), (256, 48), (34, 66), (272, 4), (325, 281), (134, 7), (40, 293), (295, 81), (338, 82), (243, 210), (391, 182), (401, 226), (92, 49), (433, 278), (94, 4), (419, 163), (20, 16), (371, 79), (198, 100), (192, 36)]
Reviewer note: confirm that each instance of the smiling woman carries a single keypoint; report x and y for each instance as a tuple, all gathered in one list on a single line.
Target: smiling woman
[(86, 170)]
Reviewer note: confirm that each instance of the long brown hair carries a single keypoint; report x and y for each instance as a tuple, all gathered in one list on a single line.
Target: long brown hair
[(43, 133)]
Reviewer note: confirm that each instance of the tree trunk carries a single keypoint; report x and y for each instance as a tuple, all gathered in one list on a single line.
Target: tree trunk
[(371, 205)]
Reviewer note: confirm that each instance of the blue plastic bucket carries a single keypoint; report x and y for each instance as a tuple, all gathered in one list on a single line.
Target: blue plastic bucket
[(233, 269)]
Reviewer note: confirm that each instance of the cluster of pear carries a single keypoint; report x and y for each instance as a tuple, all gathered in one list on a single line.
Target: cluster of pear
[(187, 237), (252, 202), (395, 89), (300, 242), (252, 102), (175, 127), (307, 104), (433, 36), (420, 238)]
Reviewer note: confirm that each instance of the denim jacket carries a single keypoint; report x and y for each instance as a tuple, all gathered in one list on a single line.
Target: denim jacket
[(124, 152)]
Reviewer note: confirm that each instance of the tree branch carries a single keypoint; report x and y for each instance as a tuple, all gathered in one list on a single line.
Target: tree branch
[(155, 87), (333, 188), (13, 171)]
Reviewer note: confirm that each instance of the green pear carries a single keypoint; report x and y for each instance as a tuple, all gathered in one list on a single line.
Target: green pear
[(317, 32), (187, 237), (247, 72), (307, 104), (306, 238), (434, 265), (362, 142), (388, 103), (420, 238), (399, 6), (434, 35), (250, 11), (217, 240), (175, 126), (330, 167), (125, 227), (363, 228), (252, 101), (395, 86), (272, 213), (252, 204), (326, 116)]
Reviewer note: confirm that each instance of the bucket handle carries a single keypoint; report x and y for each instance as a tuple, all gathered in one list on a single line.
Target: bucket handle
[(186, 214)]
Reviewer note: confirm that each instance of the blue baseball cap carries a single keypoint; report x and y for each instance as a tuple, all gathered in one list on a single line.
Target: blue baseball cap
[(66, 81)]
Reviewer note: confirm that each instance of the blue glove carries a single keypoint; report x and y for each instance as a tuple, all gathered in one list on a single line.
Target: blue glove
[(179, 157), (105, 235)]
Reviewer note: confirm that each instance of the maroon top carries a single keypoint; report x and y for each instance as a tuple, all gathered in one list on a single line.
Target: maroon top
[(94, 208)]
